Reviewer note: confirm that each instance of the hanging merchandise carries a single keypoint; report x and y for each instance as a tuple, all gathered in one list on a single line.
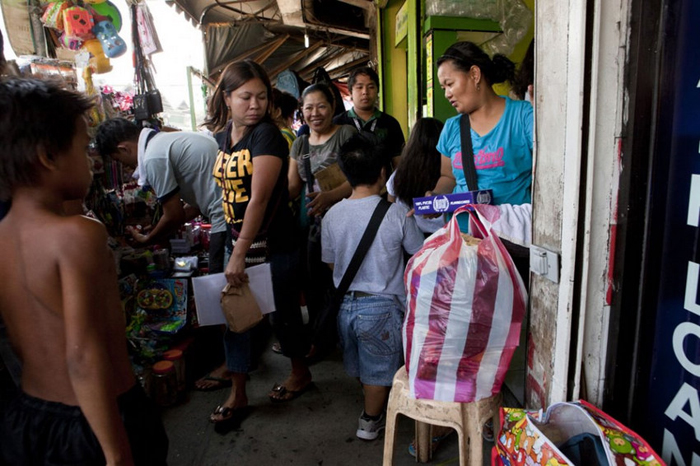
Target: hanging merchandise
[(53, 15), (90, 26), (109, 11), (98, 61), (78, 23), (147, 101), (148, 36), (112, 45)]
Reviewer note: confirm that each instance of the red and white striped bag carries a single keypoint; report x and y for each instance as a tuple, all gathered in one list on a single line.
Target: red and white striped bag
[(465, 305)]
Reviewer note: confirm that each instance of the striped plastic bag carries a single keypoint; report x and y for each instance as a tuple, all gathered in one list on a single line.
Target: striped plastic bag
[(465, 306)]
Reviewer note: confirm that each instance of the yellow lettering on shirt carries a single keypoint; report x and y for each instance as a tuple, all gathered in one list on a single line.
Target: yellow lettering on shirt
[(238, 191), (245, 166), (231, 172)]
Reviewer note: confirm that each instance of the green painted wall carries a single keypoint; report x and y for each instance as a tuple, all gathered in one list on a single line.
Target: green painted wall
[(393, 65)]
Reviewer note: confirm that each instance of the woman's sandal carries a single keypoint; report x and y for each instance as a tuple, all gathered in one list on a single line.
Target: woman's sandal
[(225, 412), (434, 444)]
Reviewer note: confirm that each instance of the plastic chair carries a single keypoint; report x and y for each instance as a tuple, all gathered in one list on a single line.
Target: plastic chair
[(466, 418)]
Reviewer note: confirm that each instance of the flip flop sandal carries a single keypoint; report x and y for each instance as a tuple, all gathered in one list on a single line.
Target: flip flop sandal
[(225, 412), (218, 383), (282, 394)]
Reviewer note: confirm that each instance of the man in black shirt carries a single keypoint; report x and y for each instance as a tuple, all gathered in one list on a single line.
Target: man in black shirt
[(363, 84)]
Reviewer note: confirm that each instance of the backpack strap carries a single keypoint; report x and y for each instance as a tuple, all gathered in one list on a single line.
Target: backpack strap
[(361, 251)]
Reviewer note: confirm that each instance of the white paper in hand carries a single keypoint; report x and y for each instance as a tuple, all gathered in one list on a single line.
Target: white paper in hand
[(207, 293)]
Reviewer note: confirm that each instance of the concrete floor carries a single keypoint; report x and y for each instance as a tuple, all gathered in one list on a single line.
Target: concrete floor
[(318, 428)]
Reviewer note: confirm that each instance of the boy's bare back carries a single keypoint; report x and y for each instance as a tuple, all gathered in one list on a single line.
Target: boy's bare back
[(60, 302), (59, 296)]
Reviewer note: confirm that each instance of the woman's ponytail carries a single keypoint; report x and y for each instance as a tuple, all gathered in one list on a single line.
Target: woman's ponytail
[(502, 69)]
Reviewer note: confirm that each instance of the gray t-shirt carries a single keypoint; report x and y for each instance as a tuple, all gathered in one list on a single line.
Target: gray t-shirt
[(323, 155), (182, 163), (382, 270)]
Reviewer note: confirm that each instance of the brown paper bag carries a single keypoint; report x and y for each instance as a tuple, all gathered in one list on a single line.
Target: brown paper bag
[(240, 308), (330, 177)]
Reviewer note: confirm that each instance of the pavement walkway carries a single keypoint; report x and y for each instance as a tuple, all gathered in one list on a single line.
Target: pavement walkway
[(318, 428)]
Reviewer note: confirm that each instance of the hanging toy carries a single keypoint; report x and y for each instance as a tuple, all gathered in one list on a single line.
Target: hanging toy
[(112, 45), (108, 10), (70, 42), (95, 114), (78, 23), (99, 62), (53, 15)]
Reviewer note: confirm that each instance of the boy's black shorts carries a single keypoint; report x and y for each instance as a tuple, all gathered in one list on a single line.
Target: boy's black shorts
[(39, 432)]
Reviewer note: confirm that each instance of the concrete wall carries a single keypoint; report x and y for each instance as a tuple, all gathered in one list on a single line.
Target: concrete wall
[(579, 98)]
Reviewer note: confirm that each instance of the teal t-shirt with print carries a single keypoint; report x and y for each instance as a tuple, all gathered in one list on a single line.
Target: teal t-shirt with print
[(503, 156)]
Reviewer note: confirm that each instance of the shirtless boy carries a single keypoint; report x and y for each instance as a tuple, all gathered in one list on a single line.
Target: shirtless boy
[(80, 403)]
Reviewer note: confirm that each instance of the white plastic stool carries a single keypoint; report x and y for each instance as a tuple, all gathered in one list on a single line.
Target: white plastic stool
[(466, 418)]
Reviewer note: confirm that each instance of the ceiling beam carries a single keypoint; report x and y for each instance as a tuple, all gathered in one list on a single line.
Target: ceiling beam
[(339, 71), (291, 11), (274, 46), (247, 54), (307, 72), (295, 58)]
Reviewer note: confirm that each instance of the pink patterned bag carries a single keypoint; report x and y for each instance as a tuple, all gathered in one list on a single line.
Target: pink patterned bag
[(537, 438), (465, 305)]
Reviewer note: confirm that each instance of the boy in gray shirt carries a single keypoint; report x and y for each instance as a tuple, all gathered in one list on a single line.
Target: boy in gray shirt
[(371, 315)]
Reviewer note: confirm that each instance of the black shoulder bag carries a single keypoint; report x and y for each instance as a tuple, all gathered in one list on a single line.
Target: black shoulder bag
[(325, 331), (306, 156), (465, 134)]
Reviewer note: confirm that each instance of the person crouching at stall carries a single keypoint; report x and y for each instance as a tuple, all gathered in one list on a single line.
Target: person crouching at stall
[(80, 402), (251, 169), (177, 166)]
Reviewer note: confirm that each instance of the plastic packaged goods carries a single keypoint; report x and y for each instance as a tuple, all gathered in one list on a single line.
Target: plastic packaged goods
[(514, 17), (164, 383)]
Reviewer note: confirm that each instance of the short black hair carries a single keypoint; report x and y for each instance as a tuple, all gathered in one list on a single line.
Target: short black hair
[(367, 71), (113, 132), (286, 102), (362, 158), (322, 88), (34, 115)]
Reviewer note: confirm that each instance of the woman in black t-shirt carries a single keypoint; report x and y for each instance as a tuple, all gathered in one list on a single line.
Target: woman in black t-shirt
[(251, 169)]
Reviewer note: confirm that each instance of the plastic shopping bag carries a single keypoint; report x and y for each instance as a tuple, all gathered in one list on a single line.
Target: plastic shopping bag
[(465, 305), (572, 433)]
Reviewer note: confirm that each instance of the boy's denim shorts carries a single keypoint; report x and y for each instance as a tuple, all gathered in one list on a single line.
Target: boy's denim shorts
[(370, 335)]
